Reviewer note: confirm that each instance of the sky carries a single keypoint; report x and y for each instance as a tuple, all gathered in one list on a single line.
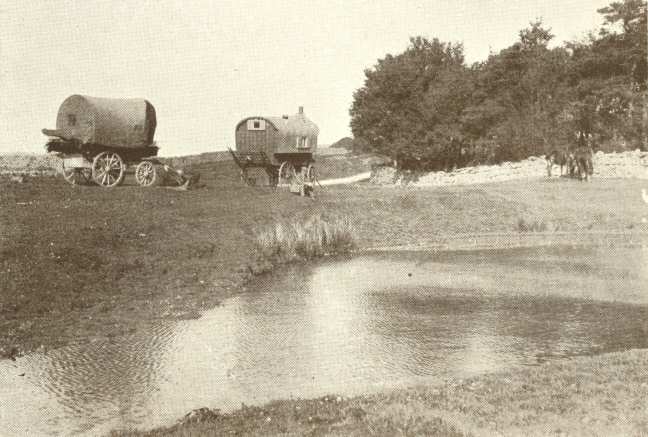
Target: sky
[(205, 65)]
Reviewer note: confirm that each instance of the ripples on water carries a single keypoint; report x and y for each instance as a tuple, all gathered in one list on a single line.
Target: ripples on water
[(340, 327)]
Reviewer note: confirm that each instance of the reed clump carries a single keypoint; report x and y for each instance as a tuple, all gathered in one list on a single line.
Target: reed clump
[(524, 225), (306, 239)]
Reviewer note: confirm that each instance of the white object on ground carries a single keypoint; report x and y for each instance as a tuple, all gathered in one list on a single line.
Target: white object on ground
[(341, 181), (347, 180)]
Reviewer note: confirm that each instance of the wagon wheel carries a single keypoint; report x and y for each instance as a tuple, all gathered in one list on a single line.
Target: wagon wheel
[(146, 174), (311, 175), (287, 173), (273, 176), (77, 176), (244, 177), (108, 169)]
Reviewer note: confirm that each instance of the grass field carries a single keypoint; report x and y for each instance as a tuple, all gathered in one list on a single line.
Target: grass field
[(80, 263)]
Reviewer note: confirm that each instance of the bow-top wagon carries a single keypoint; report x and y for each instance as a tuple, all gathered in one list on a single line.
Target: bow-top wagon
[(99, 137), (282, 146)]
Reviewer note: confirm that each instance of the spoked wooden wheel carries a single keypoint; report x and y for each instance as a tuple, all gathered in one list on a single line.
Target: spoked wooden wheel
[(287, 174), (77, 176), (310, 179), (311, 175), (273, 176), (146, 174), (245, 178), (108, 169)]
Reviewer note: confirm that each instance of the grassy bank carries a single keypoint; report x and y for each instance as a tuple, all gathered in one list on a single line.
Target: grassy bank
[(83, 263), (588, 396)]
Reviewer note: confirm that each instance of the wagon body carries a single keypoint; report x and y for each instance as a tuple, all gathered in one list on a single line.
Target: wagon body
[(283, 146), (286, 138)]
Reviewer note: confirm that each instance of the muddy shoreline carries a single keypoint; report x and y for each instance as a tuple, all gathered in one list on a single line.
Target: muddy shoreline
[(512, 240), (581, 396)]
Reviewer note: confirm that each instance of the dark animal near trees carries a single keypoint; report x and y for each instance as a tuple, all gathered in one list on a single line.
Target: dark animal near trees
[(583, 156), (562, 159)]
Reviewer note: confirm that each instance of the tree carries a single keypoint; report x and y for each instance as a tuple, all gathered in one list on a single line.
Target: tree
[(518, 108), (609, 77), (632, 15), (390, 113), (426, 109)]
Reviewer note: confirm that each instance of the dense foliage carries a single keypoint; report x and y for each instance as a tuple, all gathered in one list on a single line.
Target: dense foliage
[(426, 109)]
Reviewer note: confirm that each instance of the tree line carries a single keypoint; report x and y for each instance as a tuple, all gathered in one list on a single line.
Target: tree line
[(427, 109)]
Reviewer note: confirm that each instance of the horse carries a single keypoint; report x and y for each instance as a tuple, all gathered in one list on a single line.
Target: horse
[(583, 157), (561, 158)]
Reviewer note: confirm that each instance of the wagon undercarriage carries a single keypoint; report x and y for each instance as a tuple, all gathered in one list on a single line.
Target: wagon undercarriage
[(84, 164), (296, 172)]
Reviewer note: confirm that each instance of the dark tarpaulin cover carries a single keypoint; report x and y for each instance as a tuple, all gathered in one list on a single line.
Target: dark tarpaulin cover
[(128, 123)]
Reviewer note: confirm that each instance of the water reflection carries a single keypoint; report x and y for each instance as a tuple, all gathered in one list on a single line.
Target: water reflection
[(76, 389), (345, 327)]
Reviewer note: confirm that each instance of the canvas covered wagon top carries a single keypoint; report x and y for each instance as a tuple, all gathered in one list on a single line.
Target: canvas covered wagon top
[(280, 138), (114, 123)]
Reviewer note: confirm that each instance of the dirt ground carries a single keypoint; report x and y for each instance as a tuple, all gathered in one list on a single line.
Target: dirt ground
[(81, 263)]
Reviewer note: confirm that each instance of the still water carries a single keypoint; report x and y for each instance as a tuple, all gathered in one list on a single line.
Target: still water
[(346, 327)]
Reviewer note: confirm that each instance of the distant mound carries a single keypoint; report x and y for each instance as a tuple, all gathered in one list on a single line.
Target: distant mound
[(203, 158), (343, 143), (331, 151)]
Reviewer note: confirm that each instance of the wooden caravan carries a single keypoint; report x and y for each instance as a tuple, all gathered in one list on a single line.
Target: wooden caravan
[(98, 137), (283, 146)]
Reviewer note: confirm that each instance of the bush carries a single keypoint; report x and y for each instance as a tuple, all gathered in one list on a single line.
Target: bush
[(531, 226), (307, 239)]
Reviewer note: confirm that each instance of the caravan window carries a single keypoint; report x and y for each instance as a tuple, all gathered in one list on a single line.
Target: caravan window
[(256, 124), (302, 142)]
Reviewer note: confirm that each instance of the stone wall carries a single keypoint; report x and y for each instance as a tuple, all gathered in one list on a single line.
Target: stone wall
[(30, 165), (631, 164)]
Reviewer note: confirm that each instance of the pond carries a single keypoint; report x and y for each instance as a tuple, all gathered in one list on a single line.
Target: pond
[(346, 327)]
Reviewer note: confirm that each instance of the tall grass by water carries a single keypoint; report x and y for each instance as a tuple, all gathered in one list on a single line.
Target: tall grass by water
[(526, 225), (309, 238)]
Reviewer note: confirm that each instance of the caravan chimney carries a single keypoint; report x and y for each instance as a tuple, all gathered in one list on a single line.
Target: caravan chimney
[(301, 110)]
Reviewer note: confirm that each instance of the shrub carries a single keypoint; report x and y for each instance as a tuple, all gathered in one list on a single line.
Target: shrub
[(304, 239), (528, 226)]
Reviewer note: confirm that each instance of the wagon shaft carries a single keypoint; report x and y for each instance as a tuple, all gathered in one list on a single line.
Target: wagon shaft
[(250, 159)]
